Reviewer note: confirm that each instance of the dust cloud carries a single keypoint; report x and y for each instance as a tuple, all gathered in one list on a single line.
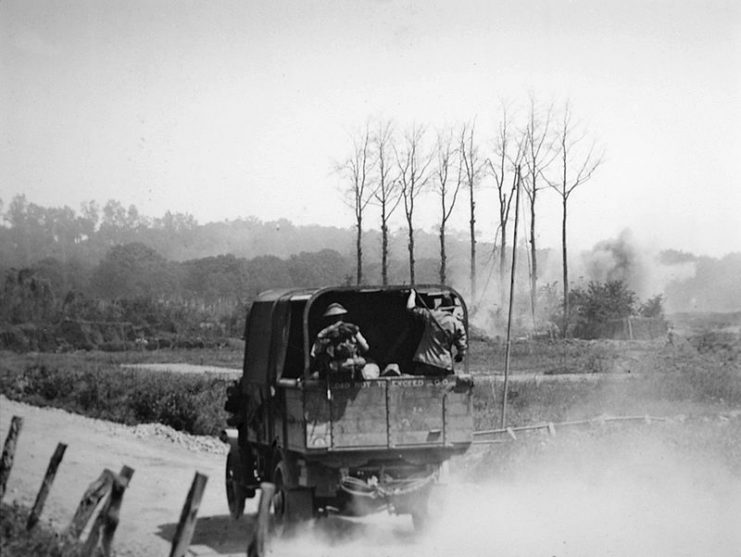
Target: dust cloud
[(618, 495)]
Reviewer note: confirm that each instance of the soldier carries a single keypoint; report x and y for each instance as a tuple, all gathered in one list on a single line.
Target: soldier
[(443, 330), (338, 347)]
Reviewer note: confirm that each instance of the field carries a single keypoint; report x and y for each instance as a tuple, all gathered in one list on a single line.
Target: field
[(551, 381)]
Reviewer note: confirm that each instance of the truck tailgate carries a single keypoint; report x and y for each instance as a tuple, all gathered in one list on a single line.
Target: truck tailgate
[(383, 414)]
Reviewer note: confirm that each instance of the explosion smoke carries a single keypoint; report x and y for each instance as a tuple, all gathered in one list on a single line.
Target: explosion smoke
[(617, 260)]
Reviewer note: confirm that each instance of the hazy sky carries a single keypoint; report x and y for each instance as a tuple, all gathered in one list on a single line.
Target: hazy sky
[(225, 109)]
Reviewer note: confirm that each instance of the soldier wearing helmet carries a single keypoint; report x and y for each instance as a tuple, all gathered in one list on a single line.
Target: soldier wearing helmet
[(339, 345)]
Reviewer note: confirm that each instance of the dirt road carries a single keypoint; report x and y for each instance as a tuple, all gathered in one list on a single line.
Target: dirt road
[(631, 494), (164, 464)]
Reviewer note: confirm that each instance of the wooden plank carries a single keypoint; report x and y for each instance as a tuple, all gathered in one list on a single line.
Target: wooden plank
[(100, 540), (188, 517), (111, 515), (51, 472), (458, 418), (258, 543), (359, 415), (316, 425), (415, 412), (295, 422), (6, 463), (90, 499)]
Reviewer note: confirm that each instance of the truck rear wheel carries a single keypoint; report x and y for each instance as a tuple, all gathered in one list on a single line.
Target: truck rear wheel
[(291, 504), (235, 493)]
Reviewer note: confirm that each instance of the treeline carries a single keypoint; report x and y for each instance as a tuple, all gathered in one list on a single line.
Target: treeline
[(31, 232), (134, 297), (135, 286)]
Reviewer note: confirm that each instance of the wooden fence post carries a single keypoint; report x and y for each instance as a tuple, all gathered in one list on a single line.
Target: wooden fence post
[(90, 499), (101, 536), (51, 473), (187, 524), (6, 464), (256, 548)]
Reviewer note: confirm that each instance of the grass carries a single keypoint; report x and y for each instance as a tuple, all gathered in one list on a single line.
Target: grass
[(563, 356), (677, 384), (42, 540)]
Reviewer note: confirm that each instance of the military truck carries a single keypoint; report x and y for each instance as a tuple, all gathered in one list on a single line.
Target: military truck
[(339, 442)]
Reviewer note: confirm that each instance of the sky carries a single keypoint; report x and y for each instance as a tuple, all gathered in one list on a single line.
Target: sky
[(228, 109)]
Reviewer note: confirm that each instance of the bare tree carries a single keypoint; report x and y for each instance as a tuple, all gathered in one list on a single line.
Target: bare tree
[(446, 155), (472, 166), (507, 155), (413, 164), (386, 194), (578, 164), (539, 154), (357, 168)]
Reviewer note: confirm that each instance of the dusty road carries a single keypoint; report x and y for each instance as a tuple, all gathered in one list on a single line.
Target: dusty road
[(164, 468), (623, 496), (164, 462)]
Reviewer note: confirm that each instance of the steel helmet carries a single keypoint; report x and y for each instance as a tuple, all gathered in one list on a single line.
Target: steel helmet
[(446, 301), (334, 309)]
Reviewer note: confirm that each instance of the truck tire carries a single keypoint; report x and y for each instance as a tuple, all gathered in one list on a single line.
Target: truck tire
[(291, 504), (235, 493)]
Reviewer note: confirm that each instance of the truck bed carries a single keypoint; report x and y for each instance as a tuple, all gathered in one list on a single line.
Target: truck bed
[(379, 414)]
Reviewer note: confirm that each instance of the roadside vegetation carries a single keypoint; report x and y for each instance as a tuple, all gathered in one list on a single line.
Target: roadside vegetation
[(16, 541), (96, 385)]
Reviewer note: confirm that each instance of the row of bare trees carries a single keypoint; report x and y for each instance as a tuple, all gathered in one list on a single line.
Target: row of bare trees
[(390, 167)]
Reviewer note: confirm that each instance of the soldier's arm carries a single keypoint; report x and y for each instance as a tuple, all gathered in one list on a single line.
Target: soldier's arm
[(420, 313), (362, 343), (320, 344), (461, 340), (412, 299)]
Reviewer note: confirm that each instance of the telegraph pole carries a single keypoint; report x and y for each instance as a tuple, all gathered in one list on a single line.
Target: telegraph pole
[(511, 303)]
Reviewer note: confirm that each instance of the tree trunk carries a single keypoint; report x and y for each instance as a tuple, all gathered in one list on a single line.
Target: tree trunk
[(359, 250), (384, 252), (443, 256), (472, 224), (533, 258), (410, 246), (502, 265), (565, 271)]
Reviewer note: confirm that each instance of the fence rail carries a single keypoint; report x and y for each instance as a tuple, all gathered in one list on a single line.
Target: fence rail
[(551, 426)]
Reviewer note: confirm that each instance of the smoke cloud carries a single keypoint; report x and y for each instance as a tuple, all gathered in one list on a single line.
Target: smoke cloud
[(620, 495), (617, 259)]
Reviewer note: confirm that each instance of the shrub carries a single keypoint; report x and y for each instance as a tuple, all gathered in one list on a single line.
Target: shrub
[(186, 402)]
